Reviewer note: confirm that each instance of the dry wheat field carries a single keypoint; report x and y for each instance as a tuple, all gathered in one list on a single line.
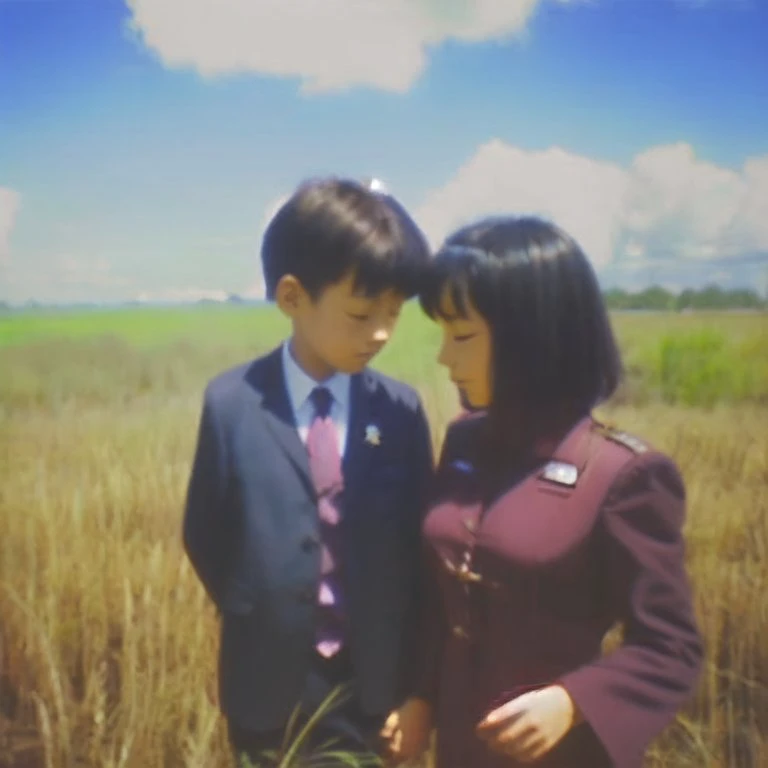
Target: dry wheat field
[(107, 643)]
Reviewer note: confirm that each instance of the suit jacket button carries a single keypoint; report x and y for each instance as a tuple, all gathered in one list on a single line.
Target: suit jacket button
[(310, 542)]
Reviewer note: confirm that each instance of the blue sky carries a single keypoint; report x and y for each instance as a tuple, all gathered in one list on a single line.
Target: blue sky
[(144, 144)]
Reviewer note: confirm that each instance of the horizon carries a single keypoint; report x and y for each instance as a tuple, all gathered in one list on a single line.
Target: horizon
[(234, 299), (140, 158)]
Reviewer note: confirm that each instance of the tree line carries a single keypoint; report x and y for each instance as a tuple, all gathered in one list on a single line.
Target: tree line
[(654, 298), (709, 298)]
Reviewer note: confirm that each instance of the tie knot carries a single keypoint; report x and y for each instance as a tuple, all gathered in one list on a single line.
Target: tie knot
[(321, 398)]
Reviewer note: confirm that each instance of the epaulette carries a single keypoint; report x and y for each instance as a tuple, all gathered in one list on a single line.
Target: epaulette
[(635, 444)]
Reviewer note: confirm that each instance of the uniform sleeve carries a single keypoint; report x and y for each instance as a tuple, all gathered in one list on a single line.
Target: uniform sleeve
[(204, 531), (432, 635), (425, 463), (631, 695), (432, 624), (423, 468)]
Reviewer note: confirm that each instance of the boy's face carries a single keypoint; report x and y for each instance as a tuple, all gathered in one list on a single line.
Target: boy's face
[(342, 330)]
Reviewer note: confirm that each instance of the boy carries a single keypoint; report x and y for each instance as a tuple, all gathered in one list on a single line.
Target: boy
[(307, 489)]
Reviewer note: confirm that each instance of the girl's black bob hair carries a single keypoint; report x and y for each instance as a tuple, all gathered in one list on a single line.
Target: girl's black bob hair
[(554, 353)]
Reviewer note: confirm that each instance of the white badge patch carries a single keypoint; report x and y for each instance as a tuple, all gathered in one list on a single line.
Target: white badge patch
[(561, 473)]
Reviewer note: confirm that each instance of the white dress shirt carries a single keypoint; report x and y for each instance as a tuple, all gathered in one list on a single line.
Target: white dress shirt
[(299, 385)]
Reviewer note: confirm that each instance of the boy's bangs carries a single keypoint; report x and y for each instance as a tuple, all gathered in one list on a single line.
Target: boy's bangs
[(376, 274), (451, 271), (391, 257)]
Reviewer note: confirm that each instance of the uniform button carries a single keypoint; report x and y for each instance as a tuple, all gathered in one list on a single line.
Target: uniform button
[(459, 631), (310, 542)]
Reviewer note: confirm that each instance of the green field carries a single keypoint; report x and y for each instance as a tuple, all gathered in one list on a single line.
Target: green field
[(688, 359), (107, 643)]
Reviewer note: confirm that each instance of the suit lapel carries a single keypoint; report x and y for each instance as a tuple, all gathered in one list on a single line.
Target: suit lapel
[(269, 379), (358, 453), (278, 415)]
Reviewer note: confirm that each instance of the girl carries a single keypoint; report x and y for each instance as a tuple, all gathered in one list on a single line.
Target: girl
[(546, 527)]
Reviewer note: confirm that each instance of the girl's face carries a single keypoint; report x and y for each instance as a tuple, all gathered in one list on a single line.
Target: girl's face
[(466, 350)]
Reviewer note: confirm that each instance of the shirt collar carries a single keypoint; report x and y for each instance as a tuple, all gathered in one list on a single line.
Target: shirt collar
[(300, 384)]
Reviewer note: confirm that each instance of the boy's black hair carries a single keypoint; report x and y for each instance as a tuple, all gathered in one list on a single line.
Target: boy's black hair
[(332, 227), (554, 353)]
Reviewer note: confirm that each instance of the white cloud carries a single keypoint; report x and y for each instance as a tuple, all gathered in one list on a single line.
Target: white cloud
[(666, 203), (689, 206), (182, 295), (9, 207), (328, 45), (256, 289), (61, 276), (584, 196), (751, 219), (634, 250)]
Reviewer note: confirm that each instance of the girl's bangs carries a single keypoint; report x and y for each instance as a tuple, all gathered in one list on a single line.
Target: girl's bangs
[(452, 270)]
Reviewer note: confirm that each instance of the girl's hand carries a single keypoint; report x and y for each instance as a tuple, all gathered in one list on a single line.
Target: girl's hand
[(406, 732), (530, 725)]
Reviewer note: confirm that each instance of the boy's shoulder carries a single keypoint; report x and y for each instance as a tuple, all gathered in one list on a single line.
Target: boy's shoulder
[(232, 380), (398, 392), (226, 381)]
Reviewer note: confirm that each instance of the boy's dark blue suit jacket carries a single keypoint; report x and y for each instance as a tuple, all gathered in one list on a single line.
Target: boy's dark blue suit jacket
[(251, 531)]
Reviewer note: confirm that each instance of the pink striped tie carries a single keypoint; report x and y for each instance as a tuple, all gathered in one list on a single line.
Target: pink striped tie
[(325, 468)]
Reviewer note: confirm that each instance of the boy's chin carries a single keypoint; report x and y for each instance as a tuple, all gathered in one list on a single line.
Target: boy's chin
[(357, 364), (356, 367)]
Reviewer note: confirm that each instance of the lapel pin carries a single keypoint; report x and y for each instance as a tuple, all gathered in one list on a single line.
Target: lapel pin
[(372, 435), (462, 466)]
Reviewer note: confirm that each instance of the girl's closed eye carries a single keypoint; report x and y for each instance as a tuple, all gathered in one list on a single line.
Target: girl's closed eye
[(361, 318), (464, 336)]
